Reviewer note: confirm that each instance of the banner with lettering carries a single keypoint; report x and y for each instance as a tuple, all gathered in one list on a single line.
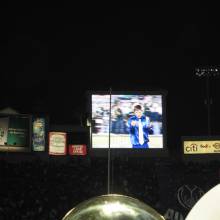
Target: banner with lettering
[(18, 131), (79, 149), (201, 147)]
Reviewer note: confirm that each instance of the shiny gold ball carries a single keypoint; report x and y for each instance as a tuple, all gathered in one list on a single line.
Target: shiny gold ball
[(114, 207)]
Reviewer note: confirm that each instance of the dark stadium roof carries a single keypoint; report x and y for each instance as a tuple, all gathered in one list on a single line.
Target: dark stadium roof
[(51, 56)]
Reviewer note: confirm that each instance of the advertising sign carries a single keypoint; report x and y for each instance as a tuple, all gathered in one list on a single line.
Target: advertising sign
[(79, 149), (201, 147), (3, 130), (39, 134), (57, 143)]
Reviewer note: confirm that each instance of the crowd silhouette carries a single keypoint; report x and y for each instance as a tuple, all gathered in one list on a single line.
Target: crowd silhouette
[(47, 188)]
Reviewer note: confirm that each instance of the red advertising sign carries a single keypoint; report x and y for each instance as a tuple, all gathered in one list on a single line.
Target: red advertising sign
[(79, 149)]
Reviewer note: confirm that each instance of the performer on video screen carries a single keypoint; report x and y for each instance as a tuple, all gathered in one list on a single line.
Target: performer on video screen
[(139, 128)]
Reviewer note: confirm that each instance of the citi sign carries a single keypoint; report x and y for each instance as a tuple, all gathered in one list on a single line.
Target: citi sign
[(191, 148)]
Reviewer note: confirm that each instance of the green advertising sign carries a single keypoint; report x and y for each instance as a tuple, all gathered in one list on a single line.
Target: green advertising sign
[(18, 131)]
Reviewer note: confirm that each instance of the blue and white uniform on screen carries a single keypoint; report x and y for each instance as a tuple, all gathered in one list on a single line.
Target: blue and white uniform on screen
[(139, 131)]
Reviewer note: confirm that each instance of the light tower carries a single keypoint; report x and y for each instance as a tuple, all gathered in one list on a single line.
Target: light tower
[(208, 73)]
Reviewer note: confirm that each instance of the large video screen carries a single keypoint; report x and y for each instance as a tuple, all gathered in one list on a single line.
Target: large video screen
[(127, 121)]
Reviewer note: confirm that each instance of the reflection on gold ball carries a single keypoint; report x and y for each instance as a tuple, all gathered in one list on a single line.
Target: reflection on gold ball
[(114, 207)]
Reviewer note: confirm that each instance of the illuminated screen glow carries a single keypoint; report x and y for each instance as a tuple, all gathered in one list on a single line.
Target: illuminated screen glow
[(136, 121)]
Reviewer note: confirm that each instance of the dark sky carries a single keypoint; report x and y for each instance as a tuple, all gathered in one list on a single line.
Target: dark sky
[(50, 57)]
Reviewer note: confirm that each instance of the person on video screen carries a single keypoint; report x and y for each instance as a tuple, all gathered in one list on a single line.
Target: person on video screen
[(139, 128)]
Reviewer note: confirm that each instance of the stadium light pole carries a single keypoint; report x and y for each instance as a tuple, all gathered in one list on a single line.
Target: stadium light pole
[(208, 73), (109, 143)]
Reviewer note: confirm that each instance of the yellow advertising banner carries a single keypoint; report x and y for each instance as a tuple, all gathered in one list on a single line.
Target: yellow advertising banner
[(201, 147)]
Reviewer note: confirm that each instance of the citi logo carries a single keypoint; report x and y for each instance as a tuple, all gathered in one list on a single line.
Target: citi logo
[(192, 148)]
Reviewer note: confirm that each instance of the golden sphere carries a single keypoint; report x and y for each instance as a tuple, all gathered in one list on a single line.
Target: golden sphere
[(112, 207)]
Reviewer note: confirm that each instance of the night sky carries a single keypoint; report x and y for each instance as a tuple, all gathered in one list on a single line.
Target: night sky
[(50, 57)]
